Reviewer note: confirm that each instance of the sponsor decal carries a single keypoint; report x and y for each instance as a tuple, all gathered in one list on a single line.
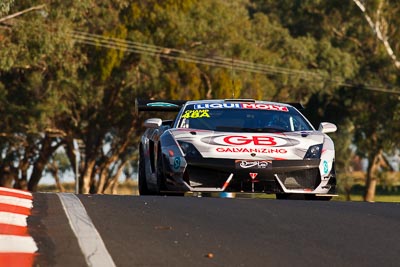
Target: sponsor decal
[(161, 104), (194, 114), (256, 140), (325, 167), (252, 140), (177, 163), (253, 175), (251, 150), (265, 107), (253, 164), (217, 105), (242, 106)]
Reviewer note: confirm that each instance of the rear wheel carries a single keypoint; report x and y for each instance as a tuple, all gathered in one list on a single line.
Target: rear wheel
[(142, 183)]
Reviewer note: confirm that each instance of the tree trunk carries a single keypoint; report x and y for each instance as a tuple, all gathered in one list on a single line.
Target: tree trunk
[(46, 152), (53, 167), (72, 157), (103, 177), (112, 183), (87, 177), (22, 183), (59, 185), (22, 12), (375, 26), (208, 85), (370, 183), (348, 194), (104, 174), (8, 174), (370, 188)]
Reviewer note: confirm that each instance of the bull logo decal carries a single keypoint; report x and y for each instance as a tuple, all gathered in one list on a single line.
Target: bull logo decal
[(253, 175)]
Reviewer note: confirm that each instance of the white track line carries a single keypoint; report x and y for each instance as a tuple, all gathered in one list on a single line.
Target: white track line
[(89, 239), (15, 244)]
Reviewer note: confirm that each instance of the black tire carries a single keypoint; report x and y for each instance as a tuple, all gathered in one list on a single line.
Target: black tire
[(161, 181), (160, 172), (142, 183)]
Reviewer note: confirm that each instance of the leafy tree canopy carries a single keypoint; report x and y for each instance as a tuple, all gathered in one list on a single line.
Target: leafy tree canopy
[(70, 71)]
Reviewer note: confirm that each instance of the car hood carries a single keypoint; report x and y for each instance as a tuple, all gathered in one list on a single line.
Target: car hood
[(234, 145)]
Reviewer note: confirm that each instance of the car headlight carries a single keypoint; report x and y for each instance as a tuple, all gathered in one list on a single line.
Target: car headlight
[(188, 149), (314, 152)]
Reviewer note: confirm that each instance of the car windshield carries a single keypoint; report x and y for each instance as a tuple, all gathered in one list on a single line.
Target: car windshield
[(287, 119)]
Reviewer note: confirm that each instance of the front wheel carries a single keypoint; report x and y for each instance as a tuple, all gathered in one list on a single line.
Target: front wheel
[(142, 181)]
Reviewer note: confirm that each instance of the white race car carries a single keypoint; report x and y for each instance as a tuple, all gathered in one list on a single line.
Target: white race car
[(235, 145)]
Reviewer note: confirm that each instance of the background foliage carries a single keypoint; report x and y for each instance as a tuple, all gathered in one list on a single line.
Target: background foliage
[(70, 71)]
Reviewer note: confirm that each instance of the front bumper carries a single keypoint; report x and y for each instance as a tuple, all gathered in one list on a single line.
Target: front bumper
[(258, 176)]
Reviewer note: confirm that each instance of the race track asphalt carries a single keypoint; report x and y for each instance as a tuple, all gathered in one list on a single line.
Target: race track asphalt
[(205, 231)]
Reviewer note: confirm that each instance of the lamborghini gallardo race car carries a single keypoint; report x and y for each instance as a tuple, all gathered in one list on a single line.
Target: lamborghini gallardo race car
[(235, 145)]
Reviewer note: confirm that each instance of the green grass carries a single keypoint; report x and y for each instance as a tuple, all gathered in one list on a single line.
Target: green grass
[(378, 198), (383, 193)]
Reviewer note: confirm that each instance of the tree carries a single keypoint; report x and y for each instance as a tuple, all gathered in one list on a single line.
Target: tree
[(71, 71), (364, 32), (5, 7), (124, 75), (59, 163), (36, 58), (380, 27), (379, 126)]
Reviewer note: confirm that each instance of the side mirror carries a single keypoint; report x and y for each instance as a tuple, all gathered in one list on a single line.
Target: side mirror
[(327, 127), (153, 123)]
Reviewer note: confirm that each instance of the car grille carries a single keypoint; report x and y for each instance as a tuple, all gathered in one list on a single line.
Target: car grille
[(304, 179), (298, 178), (206, 177)]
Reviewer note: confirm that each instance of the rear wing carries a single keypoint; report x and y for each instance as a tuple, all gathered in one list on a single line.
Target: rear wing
[(158, 105)]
